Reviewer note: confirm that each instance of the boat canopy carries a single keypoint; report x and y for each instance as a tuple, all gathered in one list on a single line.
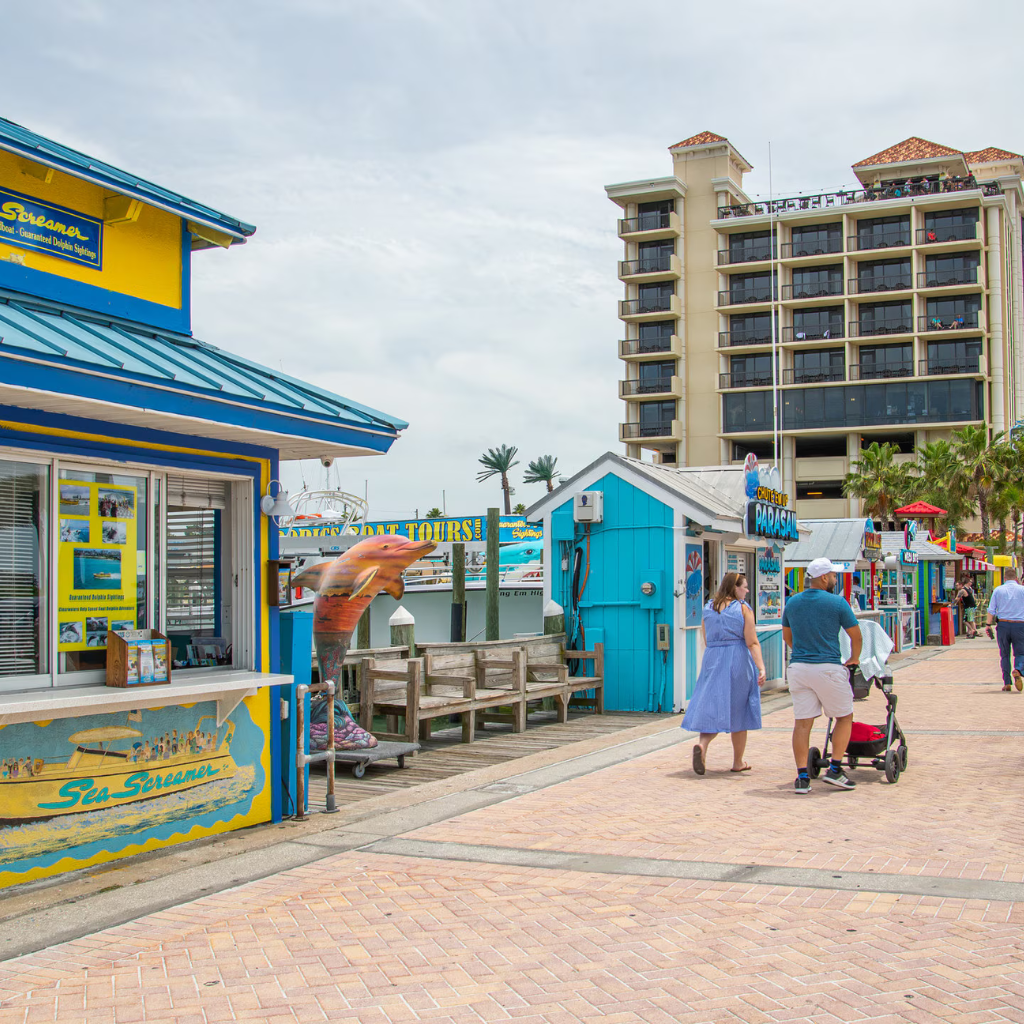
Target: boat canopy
[(112, 732)]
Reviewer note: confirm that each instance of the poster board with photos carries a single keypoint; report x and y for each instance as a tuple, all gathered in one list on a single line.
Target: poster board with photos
[(97, 563), (138, 657)]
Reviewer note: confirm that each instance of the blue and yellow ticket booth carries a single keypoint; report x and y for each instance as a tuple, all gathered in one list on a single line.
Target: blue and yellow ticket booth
[(133, 461)]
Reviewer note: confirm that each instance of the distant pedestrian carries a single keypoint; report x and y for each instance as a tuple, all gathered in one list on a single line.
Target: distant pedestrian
[(727, 696), (967, 599), (817, 679), (1007, 605)]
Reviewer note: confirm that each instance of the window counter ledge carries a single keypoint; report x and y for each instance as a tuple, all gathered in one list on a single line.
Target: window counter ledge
[(228, 689)]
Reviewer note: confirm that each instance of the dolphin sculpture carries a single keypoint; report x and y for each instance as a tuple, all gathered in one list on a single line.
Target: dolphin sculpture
[(347, 585)]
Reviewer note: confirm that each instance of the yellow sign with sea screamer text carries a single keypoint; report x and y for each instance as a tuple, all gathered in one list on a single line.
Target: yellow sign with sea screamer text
[(33, 224)]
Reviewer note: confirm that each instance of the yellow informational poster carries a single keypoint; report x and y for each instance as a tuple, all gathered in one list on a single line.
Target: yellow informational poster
[(97, 564)]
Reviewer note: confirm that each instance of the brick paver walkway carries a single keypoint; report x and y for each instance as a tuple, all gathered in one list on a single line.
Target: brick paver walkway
[(372, 938)]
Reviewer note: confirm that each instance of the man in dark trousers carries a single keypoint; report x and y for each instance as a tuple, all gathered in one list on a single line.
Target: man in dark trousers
[(818, 680), (1007, 605)]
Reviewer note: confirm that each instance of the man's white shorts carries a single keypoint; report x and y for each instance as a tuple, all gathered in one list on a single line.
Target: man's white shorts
[(815, 688)]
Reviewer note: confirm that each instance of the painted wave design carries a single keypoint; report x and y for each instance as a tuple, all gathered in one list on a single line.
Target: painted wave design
[(65, 833)]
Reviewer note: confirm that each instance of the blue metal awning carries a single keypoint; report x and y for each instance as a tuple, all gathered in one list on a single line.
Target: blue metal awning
[(19, 140), (56, 360)]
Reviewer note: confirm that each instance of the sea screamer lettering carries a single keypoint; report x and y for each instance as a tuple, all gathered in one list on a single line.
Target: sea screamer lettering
[(86, 792), (15, 211)]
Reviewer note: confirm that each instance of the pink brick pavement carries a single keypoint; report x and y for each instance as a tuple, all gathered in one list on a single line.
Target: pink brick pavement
[(371, 938)]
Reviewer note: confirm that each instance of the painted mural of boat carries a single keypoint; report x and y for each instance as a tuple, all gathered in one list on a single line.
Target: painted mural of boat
[(96, 775)]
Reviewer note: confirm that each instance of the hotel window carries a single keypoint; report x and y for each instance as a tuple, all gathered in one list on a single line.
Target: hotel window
[(817, 239), (747, 246), (809, 324), (883, 275), (656, 336), (816, 281), (653, 215), (751, 371), (750, 328)]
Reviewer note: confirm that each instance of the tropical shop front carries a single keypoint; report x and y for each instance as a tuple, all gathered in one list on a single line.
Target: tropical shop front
[(138, 480)]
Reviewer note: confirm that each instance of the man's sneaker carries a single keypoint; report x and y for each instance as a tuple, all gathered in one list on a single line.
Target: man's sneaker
[(802, 784), (838, 779), (1018, 680)]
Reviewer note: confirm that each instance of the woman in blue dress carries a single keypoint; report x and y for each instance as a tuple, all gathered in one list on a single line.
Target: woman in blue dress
[(727, 697)]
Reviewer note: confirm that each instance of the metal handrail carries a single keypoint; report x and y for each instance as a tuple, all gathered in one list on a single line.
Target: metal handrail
[(645, 265), (647, 429), (752, 255), (945, 367), (726, 339), (794, 376), (887, 283), (745, 379), (947, 278), (881, 326), (820, 247), (881, 371), (949, 233), (632, 307), (645, 222), (818, 290), (644, 346), (302, 759), (948, 321), (648, 386), (817, 333), (825, 200), (882, 240), (738, 296)]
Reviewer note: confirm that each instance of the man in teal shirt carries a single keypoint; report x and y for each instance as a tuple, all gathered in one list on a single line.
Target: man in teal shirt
[(818, 679)]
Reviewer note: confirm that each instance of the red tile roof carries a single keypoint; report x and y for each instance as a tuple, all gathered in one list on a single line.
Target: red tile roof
[(991, 155), (909, 149), (701, 139)]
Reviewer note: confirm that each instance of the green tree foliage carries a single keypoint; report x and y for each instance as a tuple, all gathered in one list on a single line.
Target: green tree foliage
[(542, 471), (434, 513), (883, 483), (497, 462)]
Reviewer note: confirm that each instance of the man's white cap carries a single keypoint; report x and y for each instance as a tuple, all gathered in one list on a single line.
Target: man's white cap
[(819, 567)]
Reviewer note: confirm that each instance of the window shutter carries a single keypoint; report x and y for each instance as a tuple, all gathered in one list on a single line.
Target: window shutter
[(194, 492)]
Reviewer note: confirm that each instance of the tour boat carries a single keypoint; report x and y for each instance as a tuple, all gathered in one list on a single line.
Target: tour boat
[(96, 776)]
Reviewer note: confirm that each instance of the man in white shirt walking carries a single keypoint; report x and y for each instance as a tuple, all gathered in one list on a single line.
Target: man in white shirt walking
[(1007, 605)]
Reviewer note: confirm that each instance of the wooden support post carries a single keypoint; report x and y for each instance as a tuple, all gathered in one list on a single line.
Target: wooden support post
[(458, 631), (554, 618), (493, 568), (363, 631), (403, 630)]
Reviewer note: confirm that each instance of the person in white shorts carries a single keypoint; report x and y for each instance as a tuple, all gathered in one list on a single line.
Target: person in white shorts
[(818, 679)]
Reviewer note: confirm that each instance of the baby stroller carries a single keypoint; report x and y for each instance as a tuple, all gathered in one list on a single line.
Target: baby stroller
[(883, 746)]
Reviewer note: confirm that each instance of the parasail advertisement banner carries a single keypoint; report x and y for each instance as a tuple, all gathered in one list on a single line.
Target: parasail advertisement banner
[(694, 583)]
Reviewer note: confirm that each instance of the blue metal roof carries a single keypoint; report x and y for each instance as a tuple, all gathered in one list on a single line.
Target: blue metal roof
[(158, 363), (16, 139)]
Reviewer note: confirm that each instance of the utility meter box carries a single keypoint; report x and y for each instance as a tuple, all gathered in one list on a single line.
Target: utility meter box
[(588, 507)]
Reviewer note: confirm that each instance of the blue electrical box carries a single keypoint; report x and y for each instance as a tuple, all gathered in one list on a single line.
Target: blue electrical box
[(562, 525)]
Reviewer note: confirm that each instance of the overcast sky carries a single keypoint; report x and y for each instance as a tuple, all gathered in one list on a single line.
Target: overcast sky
[(427, 176)]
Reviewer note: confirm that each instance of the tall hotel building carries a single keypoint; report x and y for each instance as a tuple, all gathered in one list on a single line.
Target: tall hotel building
[(896, 311)]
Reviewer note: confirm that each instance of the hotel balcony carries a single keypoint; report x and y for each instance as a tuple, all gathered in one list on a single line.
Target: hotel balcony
[(818, 333), (809, 292), (895, 239), (668, 430), (882, 327), (821, 247), (649, 226), (823, 376), (645, 388), (745, 295), (650, 268), (638, 310), (744, 379), (755, 254), (644, 349), (881, 371), (947, 278), (976, 366), (732, 339), (967, 321), (952, 233), (888, 283)]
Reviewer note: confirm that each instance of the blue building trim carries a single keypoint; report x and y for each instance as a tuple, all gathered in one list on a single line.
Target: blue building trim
[(39, 284), (68, 380)]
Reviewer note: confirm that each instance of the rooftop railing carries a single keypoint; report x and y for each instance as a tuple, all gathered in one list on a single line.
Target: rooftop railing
[(826, 200)]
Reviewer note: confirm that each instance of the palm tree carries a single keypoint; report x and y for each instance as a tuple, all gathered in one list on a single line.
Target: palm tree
[(499, 461), (980, 459), (519, 510), (434, 513), (542, 471), (944, 483), (882, 482)]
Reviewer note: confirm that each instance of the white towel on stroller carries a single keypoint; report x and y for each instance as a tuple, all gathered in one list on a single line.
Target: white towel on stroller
[(874, 652)]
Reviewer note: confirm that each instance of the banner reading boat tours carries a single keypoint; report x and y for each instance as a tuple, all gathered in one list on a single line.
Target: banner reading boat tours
[(33, 224), (97, 565), (449, 530)]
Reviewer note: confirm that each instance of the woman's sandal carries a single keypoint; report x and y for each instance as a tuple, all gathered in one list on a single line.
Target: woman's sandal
[(698, 759), (745, 768)]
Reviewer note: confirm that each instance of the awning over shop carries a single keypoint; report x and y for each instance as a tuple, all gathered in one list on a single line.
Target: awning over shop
[(80, 365), (841, 540), (977, 565)]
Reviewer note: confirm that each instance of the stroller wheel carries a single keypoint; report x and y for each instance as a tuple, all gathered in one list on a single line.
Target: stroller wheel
[(853, 761), (814, 762), (904, 755), (892, 766)]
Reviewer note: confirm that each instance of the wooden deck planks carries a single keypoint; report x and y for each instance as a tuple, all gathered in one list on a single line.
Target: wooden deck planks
[(444, 755)]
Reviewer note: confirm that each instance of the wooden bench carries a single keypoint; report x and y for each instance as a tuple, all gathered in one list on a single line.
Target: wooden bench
[(547, 675)]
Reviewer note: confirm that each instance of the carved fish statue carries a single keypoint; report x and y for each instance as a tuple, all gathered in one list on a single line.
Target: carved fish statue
[(347, 585)]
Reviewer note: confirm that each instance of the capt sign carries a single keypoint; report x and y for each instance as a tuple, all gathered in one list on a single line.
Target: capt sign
[(767, 513)]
